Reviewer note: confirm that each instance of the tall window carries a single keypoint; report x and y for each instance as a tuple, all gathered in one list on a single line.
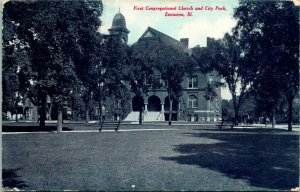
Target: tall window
[(217, 103), (158, 81), (192, 82), (192, 101)]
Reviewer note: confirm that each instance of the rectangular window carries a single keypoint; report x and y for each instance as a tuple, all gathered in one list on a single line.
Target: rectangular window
[(210, 78), (192, 82)]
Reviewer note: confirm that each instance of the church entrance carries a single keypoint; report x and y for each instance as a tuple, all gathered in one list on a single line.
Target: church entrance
[(137, 103), (154, 103)]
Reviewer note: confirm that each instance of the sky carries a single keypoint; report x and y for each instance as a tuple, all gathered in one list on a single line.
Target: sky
[(204, 23)]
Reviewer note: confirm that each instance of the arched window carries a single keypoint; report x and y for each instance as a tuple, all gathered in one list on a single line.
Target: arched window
[(124, 40), (192, 82), (192, 101)]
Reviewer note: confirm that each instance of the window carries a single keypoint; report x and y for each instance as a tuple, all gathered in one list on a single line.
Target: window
[(196, 118), (148, 34), (192, 101), (192, 82), (210, 78), (217, 103), (157, 77), (158, 80), (119, 103)]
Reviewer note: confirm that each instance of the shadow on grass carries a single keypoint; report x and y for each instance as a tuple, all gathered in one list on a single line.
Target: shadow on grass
[(11, 179), (25, 128), (260, 130), (268, 161)]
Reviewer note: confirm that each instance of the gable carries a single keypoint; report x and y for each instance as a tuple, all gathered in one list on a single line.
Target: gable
[(148, 34), (167, 40)]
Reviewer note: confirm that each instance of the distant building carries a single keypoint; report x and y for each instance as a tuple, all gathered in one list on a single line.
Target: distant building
[(25, 110), (192, 106)]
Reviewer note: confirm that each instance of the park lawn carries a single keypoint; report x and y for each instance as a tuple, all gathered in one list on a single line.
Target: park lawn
[(184, 159)]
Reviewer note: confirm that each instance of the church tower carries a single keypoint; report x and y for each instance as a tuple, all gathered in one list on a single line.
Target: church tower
[(118, 28)]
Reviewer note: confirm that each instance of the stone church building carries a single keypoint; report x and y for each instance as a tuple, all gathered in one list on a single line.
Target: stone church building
[(192, 106)]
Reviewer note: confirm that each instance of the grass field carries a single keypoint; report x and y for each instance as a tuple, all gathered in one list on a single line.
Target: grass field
[(181, 158)]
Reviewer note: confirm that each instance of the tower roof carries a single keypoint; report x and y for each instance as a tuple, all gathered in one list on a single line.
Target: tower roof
[(118, 22)]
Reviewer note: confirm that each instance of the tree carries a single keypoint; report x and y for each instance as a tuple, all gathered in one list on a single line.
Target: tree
[(224, 56), (12, 89), (111, 80), (227, 109), (171, 63), (15, 67), (269, 37), (139, 73), (89, 67), (210, 93), (52, 32)]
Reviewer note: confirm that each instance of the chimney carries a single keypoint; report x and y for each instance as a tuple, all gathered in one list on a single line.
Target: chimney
[(209, 41), (184, 42)]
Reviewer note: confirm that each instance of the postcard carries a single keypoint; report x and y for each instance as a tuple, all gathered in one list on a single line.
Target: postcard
[(150, 95)]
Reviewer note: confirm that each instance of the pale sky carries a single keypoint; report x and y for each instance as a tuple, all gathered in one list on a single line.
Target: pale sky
[(203, 23)]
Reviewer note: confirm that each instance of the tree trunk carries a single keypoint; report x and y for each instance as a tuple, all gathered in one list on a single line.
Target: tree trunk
[(17, 117), (140, 117), (43, 111), (265, 121), (273, 119), (50, 111), (209, 110), (236, 110), (290, 114), (236, 117), (73, 110), (170, 110), (100, 112), (59, 120), (16, 108), (87, 118), (24, 117)]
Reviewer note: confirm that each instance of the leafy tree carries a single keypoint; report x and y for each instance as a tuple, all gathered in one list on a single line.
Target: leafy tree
[(224, 56), (111, 80), (15, 67), (139, 72), (210, 93), (249, 108), (12, 94), (53, 33), (227, 109), (89, 67), (172, 65), (269, 37)]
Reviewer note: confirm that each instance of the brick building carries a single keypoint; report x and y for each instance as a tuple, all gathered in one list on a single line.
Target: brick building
[(192, 105)]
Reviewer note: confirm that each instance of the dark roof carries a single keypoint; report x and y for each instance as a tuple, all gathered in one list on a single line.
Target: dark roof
[(167, 40), (119, 23)]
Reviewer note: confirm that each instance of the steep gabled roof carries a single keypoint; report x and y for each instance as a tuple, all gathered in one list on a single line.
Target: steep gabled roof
[(167, 40)]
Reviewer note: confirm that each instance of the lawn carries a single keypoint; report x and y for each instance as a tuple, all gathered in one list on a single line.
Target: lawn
[(177, 159)]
